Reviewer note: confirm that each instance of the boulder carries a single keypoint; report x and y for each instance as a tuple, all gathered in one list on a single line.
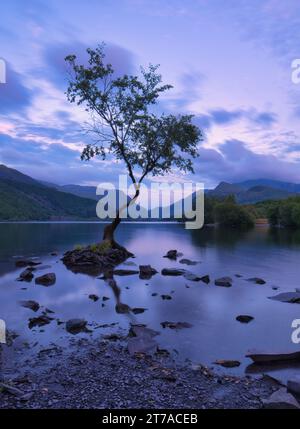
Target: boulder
[(74, 326), (243, 318), (281, 399), (172, 272), (224, 281), (26, 275), (46, 279), (146, 272)]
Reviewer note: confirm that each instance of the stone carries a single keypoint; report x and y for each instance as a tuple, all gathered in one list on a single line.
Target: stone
[(256, 280), (243, 318), (32, 305), (227, 363), (125, 272), (191, 276), (138, 310), (224, 281), (48, 279), (26, 275), (267, 357), (171, 254), (146, 272), (291, 297), (205, 279), (281, 399), (176, 326), (187, 262), (172, 272), (26, 263), (94, 297), (166, 297), (74, 326), (39, 321), (293, 385)]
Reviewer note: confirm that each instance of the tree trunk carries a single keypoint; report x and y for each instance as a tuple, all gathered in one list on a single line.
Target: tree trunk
[(109, 230)]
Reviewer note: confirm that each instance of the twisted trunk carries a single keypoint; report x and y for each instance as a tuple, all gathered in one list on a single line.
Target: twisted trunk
[(109, 230)]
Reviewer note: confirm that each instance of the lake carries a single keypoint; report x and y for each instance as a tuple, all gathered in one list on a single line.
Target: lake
[(212, 310)]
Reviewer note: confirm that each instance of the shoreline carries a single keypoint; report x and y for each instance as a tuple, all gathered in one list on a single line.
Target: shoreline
[(101, 374)]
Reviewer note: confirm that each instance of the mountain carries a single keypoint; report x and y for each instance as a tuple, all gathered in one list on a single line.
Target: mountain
[(247, 193), (276, 184), (24, 198)]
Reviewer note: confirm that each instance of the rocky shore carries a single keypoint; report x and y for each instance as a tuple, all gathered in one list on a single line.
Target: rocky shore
[(102, 374)]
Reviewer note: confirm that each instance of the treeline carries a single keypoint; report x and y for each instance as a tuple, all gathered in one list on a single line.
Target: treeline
[(284, 213), (226, 212)]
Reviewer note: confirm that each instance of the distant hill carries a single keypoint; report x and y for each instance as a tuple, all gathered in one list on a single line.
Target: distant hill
[(23, 198), (276, 184), (247, 193)]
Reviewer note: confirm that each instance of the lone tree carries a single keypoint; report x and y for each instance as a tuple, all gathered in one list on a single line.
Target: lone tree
[(126, 127)]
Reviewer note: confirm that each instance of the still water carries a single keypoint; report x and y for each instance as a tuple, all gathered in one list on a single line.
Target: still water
[(212, 310)]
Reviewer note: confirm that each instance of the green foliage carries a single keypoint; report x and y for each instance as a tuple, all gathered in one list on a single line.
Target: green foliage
[(285, 212), (101, 248), (78, 247), (124, 124), (25, 201), (226, 212)]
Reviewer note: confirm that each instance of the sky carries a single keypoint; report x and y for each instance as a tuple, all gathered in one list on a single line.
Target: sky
[(229, 62)]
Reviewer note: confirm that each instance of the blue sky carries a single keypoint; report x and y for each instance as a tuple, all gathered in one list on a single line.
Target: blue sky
[(229, 62)]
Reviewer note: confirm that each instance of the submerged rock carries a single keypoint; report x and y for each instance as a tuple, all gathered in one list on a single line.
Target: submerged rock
[(124, 272), (32, 305), (292, 297), (281, 399), (188, 262), (224, 281), (46, 280), (94, 297), (168, 297), (191, 276), (267, 357), (205, 279), (141, 340), (74, 326), (243, 318), (172, 272), (26, 263), (177, 325), (138, 310)]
